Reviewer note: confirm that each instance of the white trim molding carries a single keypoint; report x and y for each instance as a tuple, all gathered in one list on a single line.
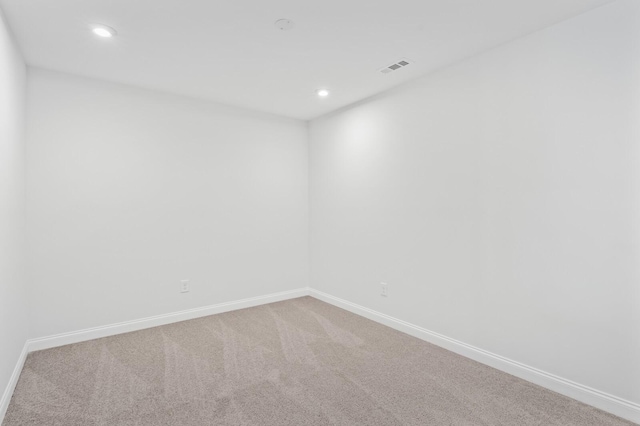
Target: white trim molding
[(610, 403), (134, 325), (13, 381), (604, 401), (155, 321)]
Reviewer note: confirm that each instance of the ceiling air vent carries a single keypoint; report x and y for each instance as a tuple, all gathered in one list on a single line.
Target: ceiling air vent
[(395, 66)]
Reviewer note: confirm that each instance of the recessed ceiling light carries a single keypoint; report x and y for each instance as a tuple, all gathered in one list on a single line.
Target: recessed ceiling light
[(104, 31), (323, 93)]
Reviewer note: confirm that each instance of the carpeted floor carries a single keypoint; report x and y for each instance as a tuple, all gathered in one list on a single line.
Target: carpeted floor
[(299, 362)]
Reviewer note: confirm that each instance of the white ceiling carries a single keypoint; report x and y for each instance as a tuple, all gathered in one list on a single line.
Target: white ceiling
[(231, 52)]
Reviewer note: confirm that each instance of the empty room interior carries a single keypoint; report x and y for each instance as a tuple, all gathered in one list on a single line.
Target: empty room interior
[(418, 212)]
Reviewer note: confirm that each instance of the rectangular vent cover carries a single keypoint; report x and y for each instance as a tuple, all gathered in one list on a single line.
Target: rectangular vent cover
[(395, 66)]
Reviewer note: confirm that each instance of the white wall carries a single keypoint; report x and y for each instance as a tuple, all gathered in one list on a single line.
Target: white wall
[(498, 198), (130, 191), (13, 284)]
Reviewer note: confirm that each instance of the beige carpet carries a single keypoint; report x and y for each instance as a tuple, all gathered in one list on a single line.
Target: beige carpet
[(299, 362)]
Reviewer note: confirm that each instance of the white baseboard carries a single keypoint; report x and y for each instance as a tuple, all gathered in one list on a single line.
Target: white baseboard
[(606, 402), (612, 404), (128, 326), (13, 381)]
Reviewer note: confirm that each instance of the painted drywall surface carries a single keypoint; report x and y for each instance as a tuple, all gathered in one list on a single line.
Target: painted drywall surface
[(131, 191), (499, 200), (13, 290)]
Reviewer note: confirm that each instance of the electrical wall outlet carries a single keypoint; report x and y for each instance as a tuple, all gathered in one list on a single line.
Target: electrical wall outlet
[(384, 289), (184, 286)]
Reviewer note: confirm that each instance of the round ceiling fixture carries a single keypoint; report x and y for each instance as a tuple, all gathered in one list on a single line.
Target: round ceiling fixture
[(104, 31), (323, 93), (284, 24)]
